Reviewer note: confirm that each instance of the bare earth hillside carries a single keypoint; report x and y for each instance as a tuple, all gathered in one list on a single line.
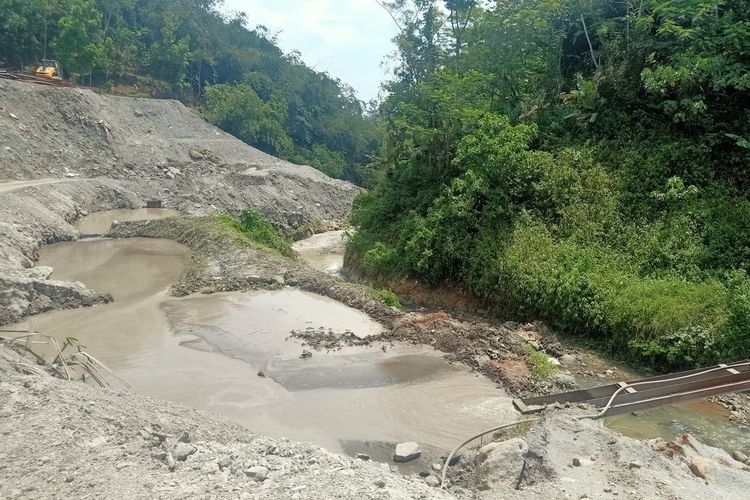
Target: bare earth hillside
[(67, 152)]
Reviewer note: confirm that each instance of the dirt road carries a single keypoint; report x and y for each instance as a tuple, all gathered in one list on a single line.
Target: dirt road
[(6, 187)]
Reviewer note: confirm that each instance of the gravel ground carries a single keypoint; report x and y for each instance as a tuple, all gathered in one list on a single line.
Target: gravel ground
[(566, 457), (70, 440)]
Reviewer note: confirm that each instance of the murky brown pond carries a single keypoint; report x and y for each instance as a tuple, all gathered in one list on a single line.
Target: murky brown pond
[(100, 223), (206, 351)]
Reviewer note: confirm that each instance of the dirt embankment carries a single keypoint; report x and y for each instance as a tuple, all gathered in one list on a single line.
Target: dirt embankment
[(67, 152), (71, 440)]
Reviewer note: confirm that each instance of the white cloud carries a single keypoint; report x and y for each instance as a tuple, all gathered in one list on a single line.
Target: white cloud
[(348, 38)]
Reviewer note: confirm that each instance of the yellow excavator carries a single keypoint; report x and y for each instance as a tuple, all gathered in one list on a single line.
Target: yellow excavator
[(49, 69)]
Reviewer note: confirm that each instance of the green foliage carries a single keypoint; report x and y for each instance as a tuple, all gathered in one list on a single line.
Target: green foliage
[(194, 51), (252, 227), (585, 163), (541, 366), (238, 110), (388, 297)]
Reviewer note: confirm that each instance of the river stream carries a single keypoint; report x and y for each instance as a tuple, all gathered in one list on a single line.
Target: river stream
[(230, 353)]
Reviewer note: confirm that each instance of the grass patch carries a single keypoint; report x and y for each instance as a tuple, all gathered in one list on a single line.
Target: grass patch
[(387, 297), (539, 364), (253, 228)]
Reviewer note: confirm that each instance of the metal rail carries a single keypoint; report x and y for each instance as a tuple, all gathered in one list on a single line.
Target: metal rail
[(651, 392)]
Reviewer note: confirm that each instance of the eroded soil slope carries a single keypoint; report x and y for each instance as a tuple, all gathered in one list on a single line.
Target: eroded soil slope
[(67, 152)]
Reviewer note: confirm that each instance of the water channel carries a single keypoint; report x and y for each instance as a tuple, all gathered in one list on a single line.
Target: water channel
[(206, 351)]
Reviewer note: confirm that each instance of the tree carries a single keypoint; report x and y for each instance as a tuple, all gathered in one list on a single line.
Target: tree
[(79, 39)]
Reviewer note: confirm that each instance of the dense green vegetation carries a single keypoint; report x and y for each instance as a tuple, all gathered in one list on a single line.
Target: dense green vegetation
[(253, 228), (188, 49), (585, 162)]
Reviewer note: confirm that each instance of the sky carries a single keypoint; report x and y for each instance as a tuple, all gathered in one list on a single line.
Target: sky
[(350, 39)]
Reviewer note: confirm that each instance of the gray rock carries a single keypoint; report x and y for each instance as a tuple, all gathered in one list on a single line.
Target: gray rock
[(40, 272), (739, 456), (482, 360), (635, 465), (432, 481), (259, 473), (503, 463), (437, 467), (576, 462), (182, 451), (699, 467), (380, 483), (564, 379), (424, 473), (406, 452), (567, 359), (363, 456)]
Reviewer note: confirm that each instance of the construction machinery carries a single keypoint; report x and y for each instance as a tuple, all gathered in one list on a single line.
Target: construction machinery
[(49, 69)]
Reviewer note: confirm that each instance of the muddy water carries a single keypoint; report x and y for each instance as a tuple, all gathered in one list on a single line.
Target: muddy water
[(101, 222), (206, 352), (708, 421), (324, 251)]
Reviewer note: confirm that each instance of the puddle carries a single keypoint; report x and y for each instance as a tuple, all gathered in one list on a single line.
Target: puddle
[(206, 352), (324, 251), (101, 222)]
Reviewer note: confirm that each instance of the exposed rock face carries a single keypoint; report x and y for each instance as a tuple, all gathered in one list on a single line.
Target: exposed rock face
[(23, 293), (503, 462), (406, 452)]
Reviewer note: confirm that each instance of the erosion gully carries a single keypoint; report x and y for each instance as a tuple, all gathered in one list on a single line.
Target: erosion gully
[(230, 353)]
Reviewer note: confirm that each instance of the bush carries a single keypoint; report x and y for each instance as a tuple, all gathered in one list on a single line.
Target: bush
[(388, 297), (553, 235), (253, 227)]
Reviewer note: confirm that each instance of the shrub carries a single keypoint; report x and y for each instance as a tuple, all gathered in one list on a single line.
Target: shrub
[(253, 227), (388, 297)]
